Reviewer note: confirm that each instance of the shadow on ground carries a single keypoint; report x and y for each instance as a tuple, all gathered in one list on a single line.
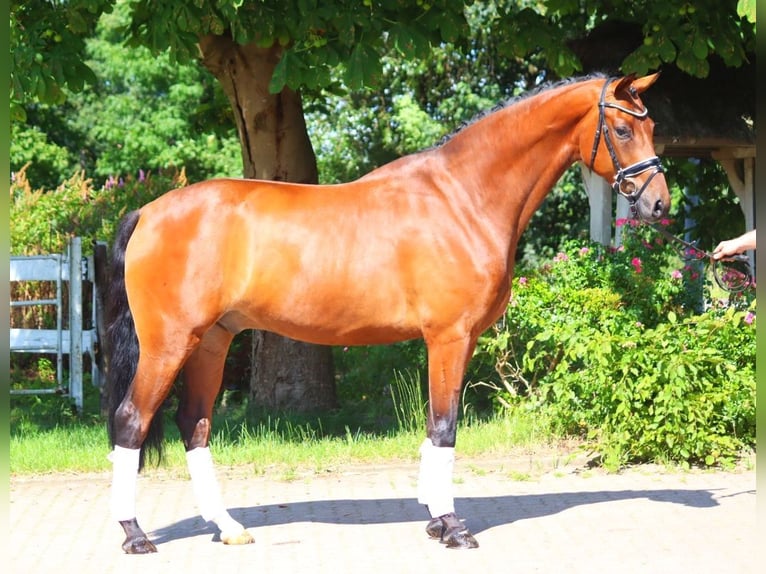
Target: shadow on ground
[(480, 513)]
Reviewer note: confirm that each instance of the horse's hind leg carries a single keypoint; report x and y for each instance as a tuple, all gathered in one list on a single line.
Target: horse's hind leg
[(202, 381), (132, 421), (446, 366)]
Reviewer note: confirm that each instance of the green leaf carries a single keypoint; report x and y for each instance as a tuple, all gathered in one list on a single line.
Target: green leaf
[(363, 68), (699, 48), (666, 49), (746, 9), (77, 23), (670, 440), (289, 71), (450, 25), (410, 41), (355, 68), (18, 113)]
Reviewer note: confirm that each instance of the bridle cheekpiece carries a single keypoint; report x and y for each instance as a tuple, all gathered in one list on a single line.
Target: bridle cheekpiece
[(622, 179)]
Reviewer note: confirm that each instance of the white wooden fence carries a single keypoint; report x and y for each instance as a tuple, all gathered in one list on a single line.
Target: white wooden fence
[(73, 340)]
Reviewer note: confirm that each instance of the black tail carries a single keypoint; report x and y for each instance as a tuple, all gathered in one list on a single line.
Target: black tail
[(122, 343)]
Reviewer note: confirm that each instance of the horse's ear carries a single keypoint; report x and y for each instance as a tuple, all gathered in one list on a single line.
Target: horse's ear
[(640, 85), (624, 83)]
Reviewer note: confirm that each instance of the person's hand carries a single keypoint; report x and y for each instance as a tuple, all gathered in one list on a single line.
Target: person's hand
[(726, 249), (734, 246)]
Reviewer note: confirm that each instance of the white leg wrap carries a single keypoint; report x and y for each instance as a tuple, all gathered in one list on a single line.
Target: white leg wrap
[(208, 492), (435, 478), (124, 477)]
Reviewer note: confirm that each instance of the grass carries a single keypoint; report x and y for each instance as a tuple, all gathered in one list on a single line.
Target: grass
[(268, 444), (272, 447), (47, 437)]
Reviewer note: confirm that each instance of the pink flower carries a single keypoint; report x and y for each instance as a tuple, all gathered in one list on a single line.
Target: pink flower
[(522, 280), (636, 263), (664, 222), (584, 251), (749, 318), (561, 256), (620, 221), (676, 274)]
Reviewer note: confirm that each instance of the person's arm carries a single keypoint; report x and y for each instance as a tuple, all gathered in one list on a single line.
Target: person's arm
[(731, 247)]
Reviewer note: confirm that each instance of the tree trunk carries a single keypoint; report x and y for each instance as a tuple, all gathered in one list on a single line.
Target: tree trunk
[(283, 374)]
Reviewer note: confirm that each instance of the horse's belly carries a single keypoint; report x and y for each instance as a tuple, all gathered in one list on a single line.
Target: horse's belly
[(319, 313)]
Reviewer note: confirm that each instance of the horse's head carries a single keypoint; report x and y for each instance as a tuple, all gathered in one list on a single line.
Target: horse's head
[(618, 146)]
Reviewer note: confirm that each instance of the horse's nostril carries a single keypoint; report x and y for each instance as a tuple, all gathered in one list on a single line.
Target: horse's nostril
[(659, 208)]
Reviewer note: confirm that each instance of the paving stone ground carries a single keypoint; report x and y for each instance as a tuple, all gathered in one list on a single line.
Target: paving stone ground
[(366, 519)]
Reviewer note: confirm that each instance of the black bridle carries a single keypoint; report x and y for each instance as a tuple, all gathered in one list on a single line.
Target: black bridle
[(623, 183)]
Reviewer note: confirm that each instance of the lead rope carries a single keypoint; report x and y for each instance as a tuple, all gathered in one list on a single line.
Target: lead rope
[(737, 273)]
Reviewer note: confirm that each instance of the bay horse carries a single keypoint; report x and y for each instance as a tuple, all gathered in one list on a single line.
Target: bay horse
[(422, 247)]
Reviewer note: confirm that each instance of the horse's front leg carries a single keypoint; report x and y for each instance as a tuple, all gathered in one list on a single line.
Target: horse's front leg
[(446, 367), (208, 492)]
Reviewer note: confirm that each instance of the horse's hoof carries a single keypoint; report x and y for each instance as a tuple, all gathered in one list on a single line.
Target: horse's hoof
[(237, 538), (435, 528), (139, 545), (459, 538)]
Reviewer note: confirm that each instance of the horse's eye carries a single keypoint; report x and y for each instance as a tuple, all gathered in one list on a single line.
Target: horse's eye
[(623, 132)]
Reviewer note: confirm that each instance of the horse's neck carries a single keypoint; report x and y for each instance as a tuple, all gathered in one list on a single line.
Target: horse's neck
[(514, 157)]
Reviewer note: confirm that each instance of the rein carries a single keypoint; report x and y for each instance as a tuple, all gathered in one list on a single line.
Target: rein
[(737, 274), (623, 183)]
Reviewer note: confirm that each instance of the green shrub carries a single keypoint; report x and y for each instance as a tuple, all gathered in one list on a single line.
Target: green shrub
[(41, 221), (609, 344)]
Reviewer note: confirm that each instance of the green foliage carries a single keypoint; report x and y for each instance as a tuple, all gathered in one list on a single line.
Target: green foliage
[(423, 101), (47, 41), (608, 345), (42, 160), (688, 34), (42, 221), (746, 9), (152, 113), (365, 374), (320, 38), (557, 221), (409, 404)]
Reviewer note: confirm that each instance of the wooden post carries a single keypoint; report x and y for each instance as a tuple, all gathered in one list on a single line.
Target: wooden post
[(739, 165), (75, 322), (600, 200), (623, 212)]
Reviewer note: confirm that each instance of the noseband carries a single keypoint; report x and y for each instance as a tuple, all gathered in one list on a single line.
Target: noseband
[(623, 183)]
